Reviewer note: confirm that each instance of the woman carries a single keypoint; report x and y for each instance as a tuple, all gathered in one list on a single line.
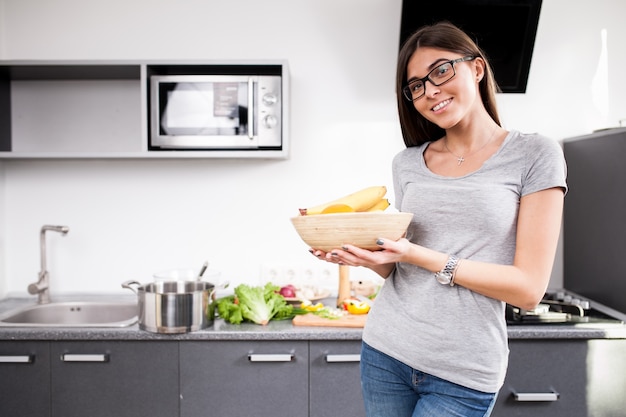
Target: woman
[(487, 207)]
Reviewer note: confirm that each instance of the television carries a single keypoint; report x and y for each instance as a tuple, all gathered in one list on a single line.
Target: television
[(504, 29)]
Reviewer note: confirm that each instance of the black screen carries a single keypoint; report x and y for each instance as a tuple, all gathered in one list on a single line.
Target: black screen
[(504, 29)]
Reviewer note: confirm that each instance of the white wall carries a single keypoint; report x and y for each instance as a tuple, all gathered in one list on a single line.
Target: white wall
[(131, 218)]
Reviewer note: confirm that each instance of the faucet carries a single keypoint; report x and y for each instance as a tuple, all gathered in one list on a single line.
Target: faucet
[(41, 287)]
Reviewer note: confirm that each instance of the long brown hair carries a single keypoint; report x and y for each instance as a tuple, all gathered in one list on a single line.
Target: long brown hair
[(416, 129)]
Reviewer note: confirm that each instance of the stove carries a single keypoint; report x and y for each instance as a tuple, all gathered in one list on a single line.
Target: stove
[(565, 308)]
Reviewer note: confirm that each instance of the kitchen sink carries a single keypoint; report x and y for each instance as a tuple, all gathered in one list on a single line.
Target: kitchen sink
[(73, 314)]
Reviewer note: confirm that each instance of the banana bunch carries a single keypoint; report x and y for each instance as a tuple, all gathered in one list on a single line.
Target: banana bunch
[(367, 199)]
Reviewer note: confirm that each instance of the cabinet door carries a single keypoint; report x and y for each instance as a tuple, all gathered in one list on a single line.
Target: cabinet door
[(606, 377), (25, 379), (544, 378), (244, 378), (114, 378), (335, 379)]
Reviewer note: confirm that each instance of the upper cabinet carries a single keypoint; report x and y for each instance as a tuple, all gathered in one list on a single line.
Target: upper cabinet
[(121, 109)]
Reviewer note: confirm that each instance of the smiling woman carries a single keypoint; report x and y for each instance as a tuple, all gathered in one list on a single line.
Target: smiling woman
[(449, 276)]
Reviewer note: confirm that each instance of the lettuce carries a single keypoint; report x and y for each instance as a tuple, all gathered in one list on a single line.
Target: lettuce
[(256, 304)]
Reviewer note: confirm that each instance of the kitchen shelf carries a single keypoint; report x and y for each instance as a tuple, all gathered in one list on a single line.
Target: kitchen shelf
[(97, 109)]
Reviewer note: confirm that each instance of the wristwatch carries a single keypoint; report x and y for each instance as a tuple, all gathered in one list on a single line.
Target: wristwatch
[(446, 275)]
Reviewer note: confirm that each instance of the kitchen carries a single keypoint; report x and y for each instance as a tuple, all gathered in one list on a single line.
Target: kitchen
[(130, 218)]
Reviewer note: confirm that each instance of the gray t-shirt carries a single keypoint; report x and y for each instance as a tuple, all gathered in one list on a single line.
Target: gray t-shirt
[(452, 332)]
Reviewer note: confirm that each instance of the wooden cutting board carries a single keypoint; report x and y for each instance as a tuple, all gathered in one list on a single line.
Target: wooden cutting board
[(349, 320)]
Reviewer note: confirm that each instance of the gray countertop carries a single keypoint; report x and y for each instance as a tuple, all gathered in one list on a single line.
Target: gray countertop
[(275, 330)]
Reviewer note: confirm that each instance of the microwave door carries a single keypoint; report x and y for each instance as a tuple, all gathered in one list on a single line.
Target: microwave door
[(207, 114)]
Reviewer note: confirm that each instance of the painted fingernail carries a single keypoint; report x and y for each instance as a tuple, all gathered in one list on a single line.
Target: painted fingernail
[(344, 248), (380, 242), (333, 253)]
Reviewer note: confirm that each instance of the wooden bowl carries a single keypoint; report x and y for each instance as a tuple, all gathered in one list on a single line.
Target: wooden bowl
[(331, 231)]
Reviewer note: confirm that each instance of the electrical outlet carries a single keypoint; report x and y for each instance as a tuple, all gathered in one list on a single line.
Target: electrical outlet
[(325, 276), (273, 273), (308, 275), (291, 275), (328, 277)]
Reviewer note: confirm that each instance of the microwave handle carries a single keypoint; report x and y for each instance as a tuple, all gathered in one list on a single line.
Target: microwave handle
[(251, 108)]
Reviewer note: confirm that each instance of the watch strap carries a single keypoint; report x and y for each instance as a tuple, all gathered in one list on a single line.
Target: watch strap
[(446, 275)]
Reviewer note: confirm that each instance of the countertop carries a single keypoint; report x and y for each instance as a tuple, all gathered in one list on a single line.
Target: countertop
[(275, 330)]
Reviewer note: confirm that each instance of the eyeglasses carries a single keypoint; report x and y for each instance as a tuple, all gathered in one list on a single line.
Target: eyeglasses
[(438, 76)]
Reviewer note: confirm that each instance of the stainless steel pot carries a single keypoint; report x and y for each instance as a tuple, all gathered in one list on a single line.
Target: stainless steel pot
[(174, 306)]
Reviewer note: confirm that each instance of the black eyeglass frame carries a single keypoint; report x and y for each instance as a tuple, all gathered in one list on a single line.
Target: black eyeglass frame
[(406, 91)]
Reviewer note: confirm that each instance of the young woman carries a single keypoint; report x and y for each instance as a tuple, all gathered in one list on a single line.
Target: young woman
[(487, 207)]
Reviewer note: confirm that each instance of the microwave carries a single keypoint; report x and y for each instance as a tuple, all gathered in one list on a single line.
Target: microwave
[(236, 111)]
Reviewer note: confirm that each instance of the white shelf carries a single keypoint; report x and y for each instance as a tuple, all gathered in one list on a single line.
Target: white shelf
[(95, 109), (146, 155)]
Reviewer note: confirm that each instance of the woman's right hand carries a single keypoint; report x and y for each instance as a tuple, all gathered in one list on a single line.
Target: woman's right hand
[(380, 261)]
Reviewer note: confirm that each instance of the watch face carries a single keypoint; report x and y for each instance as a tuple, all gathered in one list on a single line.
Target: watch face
[(443, 278)]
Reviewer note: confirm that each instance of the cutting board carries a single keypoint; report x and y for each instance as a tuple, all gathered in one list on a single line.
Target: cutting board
[(349, 320)]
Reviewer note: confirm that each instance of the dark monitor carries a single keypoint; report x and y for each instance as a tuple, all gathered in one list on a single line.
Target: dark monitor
[(504, 29)]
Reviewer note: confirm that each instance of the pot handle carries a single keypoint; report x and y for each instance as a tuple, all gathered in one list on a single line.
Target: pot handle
[(128, 284), (216, 287)]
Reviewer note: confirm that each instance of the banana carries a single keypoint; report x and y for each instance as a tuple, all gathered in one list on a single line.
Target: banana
[(338, 208), (361, 200), (382, 204)]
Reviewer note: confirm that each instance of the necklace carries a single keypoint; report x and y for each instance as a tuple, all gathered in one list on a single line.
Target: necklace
[(460, 158)]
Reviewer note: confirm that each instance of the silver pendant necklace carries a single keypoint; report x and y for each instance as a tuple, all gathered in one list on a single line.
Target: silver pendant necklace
[(460, 158)]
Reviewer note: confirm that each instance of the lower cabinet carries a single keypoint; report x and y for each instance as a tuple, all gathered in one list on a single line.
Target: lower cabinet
[(25, 379), (244, 378), (294, 378), (335, 387), (111, 378), (564, 378), (107, 378)]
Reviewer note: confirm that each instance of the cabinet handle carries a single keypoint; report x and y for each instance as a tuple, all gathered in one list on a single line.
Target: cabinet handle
[(350, 357), (535, 396), (78, 357), (17, 359), (272, 357)]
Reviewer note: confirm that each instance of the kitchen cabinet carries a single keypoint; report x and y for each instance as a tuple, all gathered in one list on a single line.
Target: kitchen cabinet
[(94, 109), (335, 387), (281, 370), (244, 378), (113, 378), (25, 379), (568, 377)]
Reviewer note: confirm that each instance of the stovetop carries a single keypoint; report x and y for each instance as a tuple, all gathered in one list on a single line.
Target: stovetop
[(566, 308)]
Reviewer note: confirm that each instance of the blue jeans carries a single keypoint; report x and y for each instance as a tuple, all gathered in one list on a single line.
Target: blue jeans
[(393, 389)]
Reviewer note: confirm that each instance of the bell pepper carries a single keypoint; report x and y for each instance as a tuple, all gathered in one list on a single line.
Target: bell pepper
[(308, 306), (357, 307)]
